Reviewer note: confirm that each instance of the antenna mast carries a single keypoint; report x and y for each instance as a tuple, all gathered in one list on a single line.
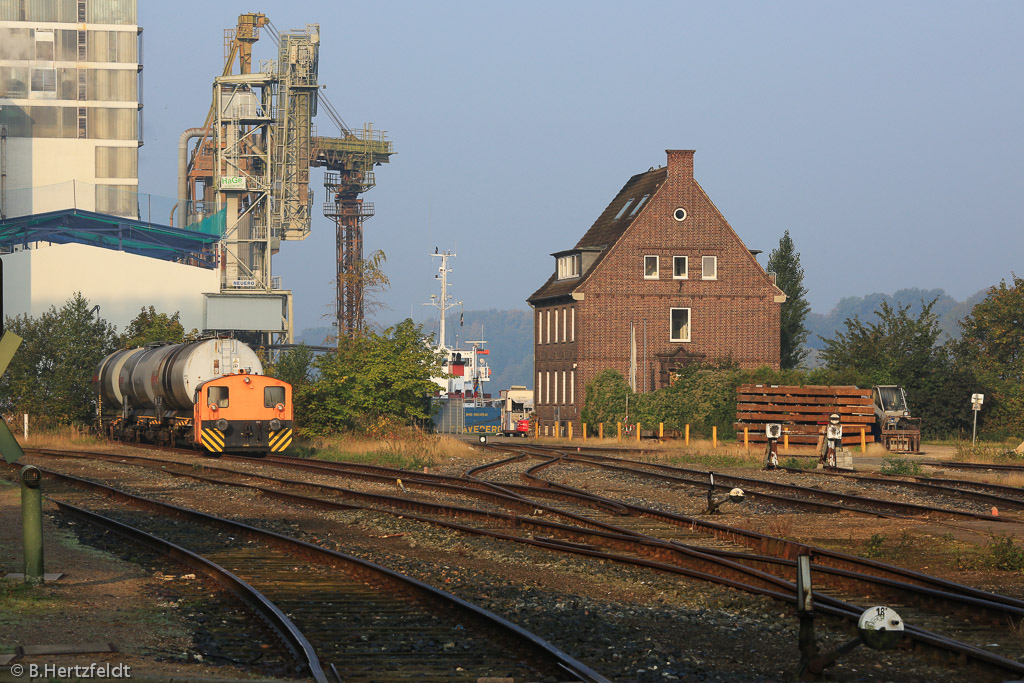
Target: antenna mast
[(444, 303)]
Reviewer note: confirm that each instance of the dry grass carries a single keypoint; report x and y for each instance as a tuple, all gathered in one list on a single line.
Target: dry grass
[(986, 452), (1012, 479), (409, 450), (700, 452), (63, 438), (779, 526), (1016, 628)]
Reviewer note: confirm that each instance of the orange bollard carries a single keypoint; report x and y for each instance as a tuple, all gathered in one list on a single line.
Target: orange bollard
[(714, 437), (687, 441)]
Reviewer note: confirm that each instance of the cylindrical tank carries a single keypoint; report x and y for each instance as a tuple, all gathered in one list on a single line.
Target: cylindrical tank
[(170, 371), (107, 373)]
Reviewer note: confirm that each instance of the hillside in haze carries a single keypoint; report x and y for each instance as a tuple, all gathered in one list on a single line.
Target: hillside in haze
[(949, 310), (509, 333)]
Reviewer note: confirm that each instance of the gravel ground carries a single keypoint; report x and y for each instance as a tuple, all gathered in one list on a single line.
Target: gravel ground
[(630, 624)]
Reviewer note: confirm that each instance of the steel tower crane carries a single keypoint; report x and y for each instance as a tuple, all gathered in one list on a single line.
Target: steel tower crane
[(253, 158)]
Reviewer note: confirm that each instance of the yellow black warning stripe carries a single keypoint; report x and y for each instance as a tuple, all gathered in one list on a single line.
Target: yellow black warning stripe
[(213, 439), (280, 440)]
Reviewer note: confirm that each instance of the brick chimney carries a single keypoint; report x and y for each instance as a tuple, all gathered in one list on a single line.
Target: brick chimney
[(680, 162)]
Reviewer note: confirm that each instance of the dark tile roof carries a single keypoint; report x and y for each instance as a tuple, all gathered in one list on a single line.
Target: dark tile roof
[(606, 230)]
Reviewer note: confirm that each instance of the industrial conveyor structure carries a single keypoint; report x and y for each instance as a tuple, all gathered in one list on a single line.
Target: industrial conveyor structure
[(253, 162)]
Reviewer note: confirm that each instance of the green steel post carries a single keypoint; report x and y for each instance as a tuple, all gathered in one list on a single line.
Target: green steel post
[(32, 523)]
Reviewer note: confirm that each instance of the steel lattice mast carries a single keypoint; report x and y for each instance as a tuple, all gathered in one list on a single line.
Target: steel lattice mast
[(350, 161)]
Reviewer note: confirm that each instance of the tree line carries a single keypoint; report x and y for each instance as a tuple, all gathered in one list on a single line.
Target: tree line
[(893, 346), (372, 383), (50, 376), (380, 380)]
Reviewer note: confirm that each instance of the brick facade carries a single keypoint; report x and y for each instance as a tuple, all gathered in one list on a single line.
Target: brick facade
[(582, 323)]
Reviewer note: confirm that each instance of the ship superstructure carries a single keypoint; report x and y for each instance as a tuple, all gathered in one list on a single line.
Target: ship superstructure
[(467, 367)]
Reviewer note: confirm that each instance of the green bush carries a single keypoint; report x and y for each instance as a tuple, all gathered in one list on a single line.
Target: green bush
[(799, 463), (874, 546), (1004, 554), (903, 467)]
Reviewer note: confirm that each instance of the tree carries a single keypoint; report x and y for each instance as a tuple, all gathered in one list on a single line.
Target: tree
[(605, 398), (902, 349), (51, 374), (992, 345), (294, 366), (896, 349), (366, 281), (784, 261), (370, 383), (150, 326)]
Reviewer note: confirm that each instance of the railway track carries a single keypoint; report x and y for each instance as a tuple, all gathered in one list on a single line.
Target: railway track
[(241, 640), (973, 466), (603, 528), (1011, 497), (359, 621), (790, 495)]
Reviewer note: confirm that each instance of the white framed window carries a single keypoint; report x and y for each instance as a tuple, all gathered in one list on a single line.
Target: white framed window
[(650, 267), (44, 80), (540, 376), (709, 268), (568, 266), (540, 330), (554, 381), (572, 387), (547, 387), (44, 45), (556, 325), (679, 324), (565, 324), (680, 267), (548, 335), (572, 328), (563, 386)]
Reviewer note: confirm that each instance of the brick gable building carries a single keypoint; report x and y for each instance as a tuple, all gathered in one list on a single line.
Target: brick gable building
[(658, 281)]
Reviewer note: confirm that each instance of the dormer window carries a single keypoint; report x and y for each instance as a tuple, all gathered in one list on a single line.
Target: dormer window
[(568, 266)]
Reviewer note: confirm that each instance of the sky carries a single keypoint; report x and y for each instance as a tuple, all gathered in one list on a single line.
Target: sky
[(885, 137)]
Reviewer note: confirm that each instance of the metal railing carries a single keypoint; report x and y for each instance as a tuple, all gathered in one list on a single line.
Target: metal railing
[(106, 199)]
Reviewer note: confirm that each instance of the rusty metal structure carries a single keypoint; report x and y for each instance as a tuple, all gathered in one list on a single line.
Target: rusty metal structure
[(350, 161), (253, 162)]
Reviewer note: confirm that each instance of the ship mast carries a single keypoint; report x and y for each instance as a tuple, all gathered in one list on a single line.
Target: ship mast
[(444, 303)]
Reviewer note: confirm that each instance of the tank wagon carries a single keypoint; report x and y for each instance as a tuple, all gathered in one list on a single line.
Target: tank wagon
[(210, 394)]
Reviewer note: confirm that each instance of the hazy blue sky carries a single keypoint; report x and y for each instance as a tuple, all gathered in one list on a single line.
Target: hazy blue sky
[(885, 136)]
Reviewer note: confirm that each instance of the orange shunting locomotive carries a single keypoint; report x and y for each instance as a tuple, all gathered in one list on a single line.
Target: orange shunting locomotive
[(210, 394)]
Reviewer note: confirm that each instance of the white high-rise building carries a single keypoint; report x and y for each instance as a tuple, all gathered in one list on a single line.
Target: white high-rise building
[(70, 90)]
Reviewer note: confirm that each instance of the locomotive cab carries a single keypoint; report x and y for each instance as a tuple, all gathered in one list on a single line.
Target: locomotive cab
[(243, 413)]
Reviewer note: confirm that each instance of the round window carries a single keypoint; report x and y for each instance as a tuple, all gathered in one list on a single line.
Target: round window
[(679, 214)]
